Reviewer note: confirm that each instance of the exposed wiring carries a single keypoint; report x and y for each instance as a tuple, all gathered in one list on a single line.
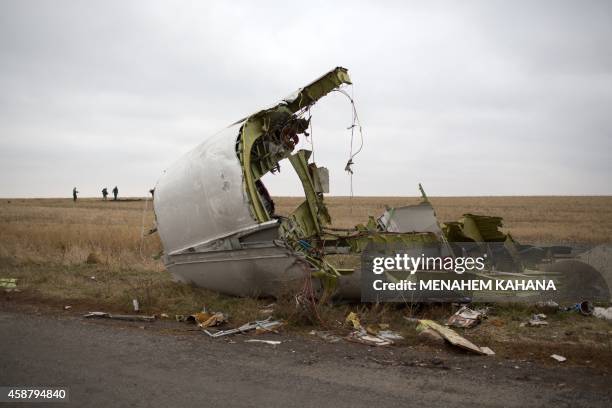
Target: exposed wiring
[(354, 124)]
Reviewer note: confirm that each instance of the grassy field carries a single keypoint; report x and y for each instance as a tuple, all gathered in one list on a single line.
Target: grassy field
[(529, 219), (60, 232), (96, 255)]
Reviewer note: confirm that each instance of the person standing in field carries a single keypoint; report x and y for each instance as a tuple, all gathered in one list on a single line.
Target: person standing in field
[(115, 192), (74, 194), (104, 193)]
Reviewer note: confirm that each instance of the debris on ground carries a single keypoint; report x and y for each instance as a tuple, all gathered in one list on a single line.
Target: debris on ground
[(487, 351), (353, 319), (374, 329), (371, 335), (268, 329), (203, 319), (265, 325), (558, 357), (9, 284), (361, 336), (450, 335), (547, 304), (466, 317), (164, 315), (134, 318), (585, 308), (390, 335), (327, 336), (67, 307), (603, 313), (270, 342), (536, 320), (208, 320)]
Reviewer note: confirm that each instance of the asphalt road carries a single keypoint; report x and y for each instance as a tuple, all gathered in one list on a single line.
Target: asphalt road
[(121, 364)]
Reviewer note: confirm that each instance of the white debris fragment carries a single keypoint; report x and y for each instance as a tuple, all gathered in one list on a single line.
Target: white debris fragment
[(487, 351), (271, 342), (558, 357), (603, 313)]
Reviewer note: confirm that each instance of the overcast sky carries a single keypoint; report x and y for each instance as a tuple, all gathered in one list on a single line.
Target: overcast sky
[(469, 98)]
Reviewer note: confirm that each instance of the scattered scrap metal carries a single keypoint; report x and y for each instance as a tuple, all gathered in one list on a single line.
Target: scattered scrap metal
[(536, 320), (452, 337), (378, 335), (466, 317), (603, 313), (203, 319), (104, 315), (558, 357), (267, 325)]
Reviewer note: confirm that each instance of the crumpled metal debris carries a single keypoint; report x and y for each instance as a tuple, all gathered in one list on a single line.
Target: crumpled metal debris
[(584, 308), (203, 319), (466, 317), (603, 313), (536, 320), (266, 325), (209, 320), (361, 336), (452, 337), (372, 335), (390, 335), (133, 318), (548, 304), (353, 319)]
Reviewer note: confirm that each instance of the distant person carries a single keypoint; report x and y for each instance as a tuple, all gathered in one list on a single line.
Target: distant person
[(115, 193), (74, 194), (104, 193)]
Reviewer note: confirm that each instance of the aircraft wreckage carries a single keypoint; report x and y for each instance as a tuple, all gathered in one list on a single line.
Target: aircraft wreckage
[(218, 227)]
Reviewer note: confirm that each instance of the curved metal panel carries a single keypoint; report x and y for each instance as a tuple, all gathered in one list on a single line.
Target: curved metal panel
[(201, 196)]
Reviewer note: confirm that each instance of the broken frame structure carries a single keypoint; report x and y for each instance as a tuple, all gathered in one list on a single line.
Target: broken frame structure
[(218, 228), (216, 219)]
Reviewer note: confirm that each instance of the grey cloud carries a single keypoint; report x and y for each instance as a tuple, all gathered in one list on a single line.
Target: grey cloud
[(470, 98)]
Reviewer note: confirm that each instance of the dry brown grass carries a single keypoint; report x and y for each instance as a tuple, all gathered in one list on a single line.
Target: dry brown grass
[(528, 219), (62, 232), (46, 243)]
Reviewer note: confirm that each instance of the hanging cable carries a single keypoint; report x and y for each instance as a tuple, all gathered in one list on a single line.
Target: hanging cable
[(354, 124)]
